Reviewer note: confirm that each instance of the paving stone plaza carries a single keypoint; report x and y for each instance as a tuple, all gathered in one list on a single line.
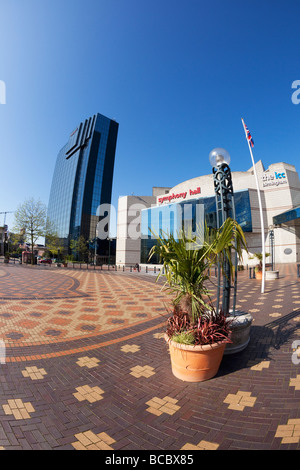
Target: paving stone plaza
[(84, 366)]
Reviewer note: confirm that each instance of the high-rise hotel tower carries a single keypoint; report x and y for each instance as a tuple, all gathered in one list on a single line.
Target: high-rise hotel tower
[(83, 178)]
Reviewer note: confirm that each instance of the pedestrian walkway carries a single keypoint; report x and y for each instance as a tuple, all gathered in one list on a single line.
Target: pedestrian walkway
[(87, 367)]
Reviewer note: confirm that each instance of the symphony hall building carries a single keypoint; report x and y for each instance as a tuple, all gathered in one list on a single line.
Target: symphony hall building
[(169, 209)]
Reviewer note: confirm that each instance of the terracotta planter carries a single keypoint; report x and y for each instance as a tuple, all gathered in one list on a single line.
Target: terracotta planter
[(195, 363), (258, 275)]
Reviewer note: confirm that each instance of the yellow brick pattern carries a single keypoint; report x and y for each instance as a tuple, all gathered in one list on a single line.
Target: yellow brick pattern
[(290, 432), (258, 365), (240, 400), (130, 348), (158, 335), (295, 382), (34, 373), (91, 441), (91, 394), (88, 362), (158, 406), (142, 371), (18, 409), (203, 445)]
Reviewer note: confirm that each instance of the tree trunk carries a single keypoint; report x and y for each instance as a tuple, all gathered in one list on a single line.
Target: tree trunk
[(32, 252)]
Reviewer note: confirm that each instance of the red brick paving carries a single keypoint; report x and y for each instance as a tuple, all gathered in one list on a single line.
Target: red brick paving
[(252, 403)]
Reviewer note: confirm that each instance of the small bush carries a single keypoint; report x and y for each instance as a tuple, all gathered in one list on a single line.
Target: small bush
[(210, 328), (185, 337)]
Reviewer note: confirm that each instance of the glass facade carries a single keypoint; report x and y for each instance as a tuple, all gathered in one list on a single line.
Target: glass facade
[(172, 218), (82, 179)]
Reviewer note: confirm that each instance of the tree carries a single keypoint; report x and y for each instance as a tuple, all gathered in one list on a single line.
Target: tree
[(52, 240), (15, 239), (30, 218), (79, 247)]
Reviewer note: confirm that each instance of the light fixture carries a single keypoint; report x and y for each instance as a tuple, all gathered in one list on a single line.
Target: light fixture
[(218, 156)]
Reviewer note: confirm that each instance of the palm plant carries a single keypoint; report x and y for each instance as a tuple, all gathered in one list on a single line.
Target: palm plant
[(259, 257), (186, 264)]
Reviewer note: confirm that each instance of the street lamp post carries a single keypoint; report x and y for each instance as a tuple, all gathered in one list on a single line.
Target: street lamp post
[(219, 159), (95, 252), (109, 240), (271, 237)]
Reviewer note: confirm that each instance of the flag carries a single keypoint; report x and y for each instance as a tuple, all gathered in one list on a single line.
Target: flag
[(248, 135)]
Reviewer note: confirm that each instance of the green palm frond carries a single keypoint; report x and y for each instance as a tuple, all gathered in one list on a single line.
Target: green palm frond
[(186, 262)]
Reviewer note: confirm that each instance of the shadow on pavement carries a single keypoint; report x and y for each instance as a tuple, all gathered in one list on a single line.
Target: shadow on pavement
[(264, 341)]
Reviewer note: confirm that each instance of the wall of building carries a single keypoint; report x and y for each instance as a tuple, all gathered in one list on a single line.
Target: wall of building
[(279, 190), (128, 250)]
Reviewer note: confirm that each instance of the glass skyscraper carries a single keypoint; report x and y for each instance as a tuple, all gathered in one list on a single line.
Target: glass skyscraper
[(82, 179)]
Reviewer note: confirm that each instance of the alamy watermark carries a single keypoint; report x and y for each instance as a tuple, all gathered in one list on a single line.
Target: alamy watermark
[(296, 352), (169, 218), (2, 92), (296, 94)]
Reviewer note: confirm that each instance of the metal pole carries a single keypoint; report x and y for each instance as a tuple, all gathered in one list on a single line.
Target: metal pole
[(271, 234), (224, 205), (109, 251), (261, 215)]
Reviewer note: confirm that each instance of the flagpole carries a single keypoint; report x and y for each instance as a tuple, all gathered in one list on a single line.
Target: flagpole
[(261, 215)]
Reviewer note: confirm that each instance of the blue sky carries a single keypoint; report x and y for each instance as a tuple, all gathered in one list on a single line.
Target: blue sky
[(177, 76)]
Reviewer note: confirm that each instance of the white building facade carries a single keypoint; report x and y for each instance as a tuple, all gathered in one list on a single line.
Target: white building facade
[(140, 217)]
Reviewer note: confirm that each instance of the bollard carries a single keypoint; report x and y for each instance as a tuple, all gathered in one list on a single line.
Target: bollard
[(146, 269), (298, 270)]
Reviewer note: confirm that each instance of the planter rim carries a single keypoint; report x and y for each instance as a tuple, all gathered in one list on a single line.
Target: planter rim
[(241, 321), (197, 347)]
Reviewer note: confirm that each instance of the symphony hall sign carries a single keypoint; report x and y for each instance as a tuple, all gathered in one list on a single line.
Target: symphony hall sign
[(169, 197)]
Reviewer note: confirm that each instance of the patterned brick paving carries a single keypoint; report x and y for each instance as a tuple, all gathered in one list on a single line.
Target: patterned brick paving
[(47, 307), (101, 379)]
